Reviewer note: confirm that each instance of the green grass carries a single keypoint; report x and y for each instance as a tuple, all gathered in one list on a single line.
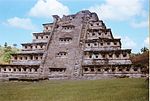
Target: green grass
[(86, 90)]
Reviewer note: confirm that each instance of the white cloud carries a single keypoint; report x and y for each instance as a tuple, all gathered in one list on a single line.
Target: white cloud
[(23, 23), (119, 9), (127, 42), (146, 41), (141, 24), (46, 8), (116, 36)]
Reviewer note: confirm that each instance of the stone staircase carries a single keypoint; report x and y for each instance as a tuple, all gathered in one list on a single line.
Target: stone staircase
[(83, 30), (82, 39), (43, 69)]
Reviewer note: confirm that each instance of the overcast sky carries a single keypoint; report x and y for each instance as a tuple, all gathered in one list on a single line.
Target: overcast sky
[(128, 19)]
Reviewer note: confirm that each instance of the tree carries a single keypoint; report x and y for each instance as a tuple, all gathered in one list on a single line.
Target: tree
[(5, 53), (5, 45), (7, 49), (7, 57), (14, 45), (135, 54), (144, 49)]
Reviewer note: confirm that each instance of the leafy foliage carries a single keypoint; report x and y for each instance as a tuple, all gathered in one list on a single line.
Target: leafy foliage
[(5, 53), (141, 60), (144, 49)]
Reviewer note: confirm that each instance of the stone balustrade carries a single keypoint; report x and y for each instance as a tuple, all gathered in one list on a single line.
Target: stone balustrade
[(105, 62), (123, 69)]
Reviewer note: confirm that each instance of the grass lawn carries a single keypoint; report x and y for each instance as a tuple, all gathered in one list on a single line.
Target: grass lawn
[(86, 90)]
